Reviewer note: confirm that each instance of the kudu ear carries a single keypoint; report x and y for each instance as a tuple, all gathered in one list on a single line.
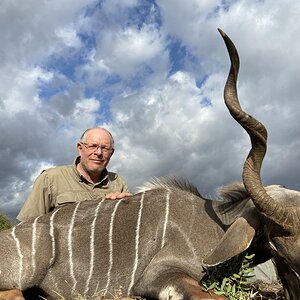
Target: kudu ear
[(237, 239)]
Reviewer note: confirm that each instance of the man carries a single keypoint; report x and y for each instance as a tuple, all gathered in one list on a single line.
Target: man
[(86, 179)]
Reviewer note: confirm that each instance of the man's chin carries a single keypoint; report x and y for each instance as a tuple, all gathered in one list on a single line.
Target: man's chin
[(96, 169)]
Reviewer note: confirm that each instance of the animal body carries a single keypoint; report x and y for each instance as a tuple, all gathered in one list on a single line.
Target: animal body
[(156, 243), (148, 244)]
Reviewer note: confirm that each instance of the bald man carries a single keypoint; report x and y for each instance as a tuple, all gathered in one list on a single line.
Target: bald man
[(86, 179)]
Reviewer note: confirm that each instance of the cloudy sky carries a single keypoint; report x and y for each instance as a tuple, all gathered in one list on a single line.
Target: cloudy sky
[(153, 73)]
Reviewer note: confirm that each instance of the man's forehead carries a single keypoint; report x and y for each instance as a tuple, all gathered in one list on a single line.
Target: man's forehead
[(98, 134)]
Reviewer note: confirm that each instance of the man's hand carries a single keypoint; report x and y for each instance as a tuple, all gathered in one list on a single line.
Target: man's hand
[(114, 196)]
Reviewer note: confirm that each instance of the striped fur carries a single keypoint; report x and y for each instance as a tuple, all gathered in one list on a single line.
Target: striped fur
[(96, 247)]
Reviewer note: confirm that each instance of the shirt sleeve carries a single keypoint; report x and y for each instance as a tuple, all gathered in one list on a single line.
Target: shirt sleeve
[(39, 200)]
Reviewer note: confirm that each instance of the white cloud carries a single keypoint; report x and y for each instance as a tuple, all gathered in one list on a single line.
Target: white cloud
[(60, 68), (84, 111), (115, 7), (124, 51), (168, 130), (21, 92), (68, 36)]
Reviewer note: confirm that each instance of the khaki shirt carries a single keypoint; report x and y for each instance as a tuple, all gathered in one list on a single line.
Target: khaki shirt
[(64, 184)]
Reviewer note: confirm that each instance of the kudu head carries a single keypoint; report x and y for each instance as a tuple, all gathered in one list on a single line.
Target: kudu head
[(280, 210)]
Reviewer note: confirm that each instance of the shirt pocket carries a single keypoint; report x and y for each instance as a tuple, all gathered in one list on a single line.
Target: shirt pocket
[(73, 196)]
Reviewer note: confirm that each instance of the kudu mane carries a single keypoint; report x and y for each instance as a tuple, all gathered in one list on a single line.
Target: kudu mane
[(233, 192), (230, 194), (234, 200), (169, 183)]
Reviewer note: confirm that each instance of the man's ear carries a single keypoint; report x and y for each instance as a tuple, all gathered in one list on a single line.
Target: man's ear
[(112, 152), (78, 147)]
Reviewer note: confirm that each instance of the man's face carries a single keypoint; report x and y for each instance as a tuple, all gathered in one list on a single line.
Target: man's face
[(95, 150)]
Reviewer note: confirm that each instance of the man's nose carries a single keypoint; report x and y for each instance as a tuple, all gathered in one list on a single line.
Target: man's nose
[(99, 151)]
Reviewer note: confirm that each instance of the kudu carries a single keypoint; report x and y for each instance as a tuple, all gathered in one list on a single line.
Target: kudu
[(156, 243)]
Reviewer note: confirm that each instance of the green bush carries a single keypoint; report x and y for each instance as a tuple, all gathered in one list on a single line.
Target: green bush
[(5, 222), (230, 279)]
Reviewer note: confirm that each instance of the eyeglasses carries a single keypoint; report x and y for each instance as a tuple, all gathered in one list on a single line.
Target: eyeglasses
[(95, 147)]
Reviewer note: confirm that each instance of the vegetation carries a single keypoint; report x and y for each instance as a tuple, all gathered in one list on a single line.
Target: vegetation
[(231, 279), (5, 222), (234, 279)]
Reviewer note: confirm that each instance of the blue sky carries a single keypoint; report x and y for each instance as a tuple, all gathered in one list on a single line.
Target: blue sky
[(153, 73)]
